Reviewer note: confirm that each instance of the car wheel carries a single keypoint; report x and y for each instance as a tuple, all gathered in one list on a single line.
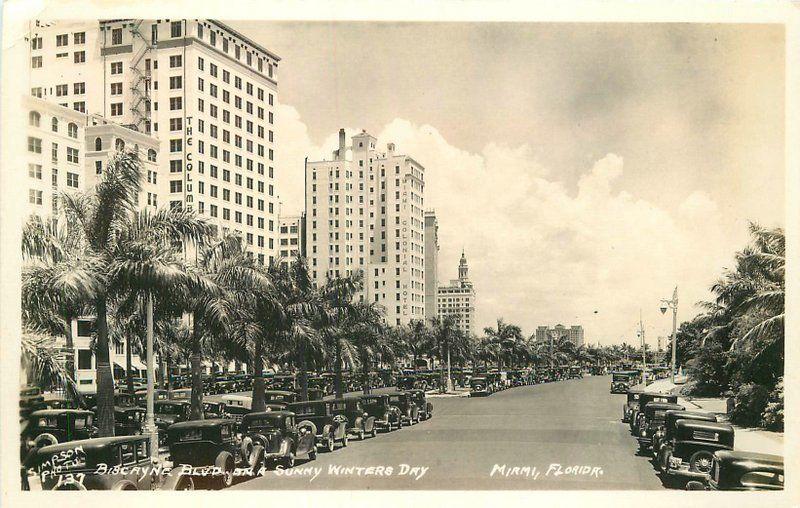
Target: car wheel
[(185, 482), (225, 462), (701, 461)]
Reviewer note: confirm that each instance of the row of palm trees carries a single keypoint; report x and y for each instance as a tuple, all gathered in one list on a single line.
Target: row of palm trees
[(204, 297)]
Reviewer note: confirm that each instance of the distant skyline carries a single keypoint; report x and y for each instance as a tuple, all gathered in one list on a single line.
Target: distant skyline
[(582, 167)]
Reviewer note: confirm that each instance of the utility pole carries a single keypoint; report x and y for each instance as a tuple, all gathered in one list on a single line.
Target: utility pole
[(672, 304), (150, 422), (644, 353)]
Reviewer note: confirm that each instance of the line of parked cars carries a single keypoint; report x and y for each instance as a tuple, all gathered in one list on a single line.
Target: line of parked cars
[(487, 383), (60, 446), (694, 449)]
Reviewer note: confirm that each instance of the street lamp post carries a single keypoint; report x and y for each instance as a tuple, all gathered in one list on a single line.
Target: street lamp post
[(150, 420), (672, 304)]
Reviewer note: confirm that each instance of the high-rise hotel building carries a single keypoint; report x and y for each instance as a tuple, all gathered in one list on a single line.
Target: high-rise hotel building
[(457, 299), (203, 90), (365, 214)]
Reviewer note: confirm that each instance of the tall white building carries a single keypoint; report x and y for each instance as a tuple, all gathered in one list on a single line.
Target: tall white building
[(457, 299), (291, 238), (205, 91), (365, 214), (431, 263), (574, 333)]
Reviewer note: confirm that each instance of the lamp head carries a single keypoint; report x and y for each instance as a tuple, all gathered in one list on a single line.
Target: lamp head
[(663, 308)]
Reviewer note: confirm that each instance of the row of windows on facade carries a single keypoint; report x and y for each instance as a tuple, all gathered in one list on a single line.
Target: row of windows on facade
[(78, 57), (238, 83), (35, 172), (176, 125), (35, 120), (177, 186), (35, 146), (61, 40)]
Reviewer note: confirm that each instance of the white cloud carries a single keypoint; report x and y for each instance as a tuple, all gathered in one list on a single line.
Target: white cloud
[(539, 254)]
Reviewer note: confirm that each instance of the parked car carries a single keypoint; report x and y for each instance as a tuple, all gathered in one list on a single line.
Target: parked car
[(742, 471), (406, 382), (30, 400), (478, 386), (575, 373), (652, 422), (359, 422), (283, 397), (631, 404), (644, 398), (621, 382), (329, 428), (53, 426), (91, 464), (668, 431), (409, 412), (199, 443), (128, 420), (167, 412), (181, 394), (273, 437), (425, 408), (158, 394), (386, 415), (213, 409), (689, 452)]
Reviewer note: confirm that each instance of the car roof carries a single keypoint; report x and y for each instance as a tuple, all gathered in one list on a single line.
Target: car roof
[(278, 392), (90, 444), (262, 414), (737, 456), (702, 425), (56, 412), (181, 402), (660, 406), (211, 422)]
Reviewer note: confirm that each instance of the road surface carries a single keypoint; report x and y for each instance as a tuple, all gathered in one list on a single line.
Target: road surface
[(569, 427)]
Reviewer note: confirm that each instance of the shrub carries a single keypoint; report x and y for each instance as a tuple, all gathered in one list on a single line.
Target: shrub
[(707, 370), (772, 417), (750, 401)]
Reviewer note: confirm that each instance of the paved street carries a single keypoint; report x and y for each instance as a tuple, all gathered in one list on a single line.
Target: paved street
[(571, 423)]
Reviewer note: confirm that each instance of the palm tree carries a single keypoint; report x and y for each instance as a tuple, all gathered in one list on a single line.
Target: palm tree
[(443, 334), (366, 330), (505, 336), (337, 301)]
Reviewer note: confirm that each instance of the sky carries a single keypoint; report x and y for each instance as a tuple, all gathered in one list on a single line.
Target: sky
[(585, 169)]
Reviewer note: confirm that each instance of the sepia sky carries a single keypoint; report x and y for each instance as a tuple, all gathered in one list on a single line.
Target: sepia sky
[(586, 169)]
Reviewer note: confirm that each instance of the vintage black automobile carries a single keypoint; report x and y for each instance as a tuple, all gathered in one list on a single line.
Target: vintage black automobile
[(359, 422), (742, 471), (285, 382), (622, 381), (479, 386), (181, 394), (128, 420), (494, 380), (652, 422), (318, 416), (105, 464), (316, 394), (406, 382), (53, 426), (575, 373), (273, 437), (167, 412), (213, 409), (644, 398), (280, 397), (689, 452), (386, 415), (668, 430), (631, 404), (409, 412), (158, 394), (424, 408), (206, 443)]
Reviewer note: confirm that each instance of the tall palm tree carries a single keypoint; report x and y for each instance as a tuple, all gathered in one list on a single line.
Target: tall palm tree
[(337, 300), (505, 335), (366, 329)]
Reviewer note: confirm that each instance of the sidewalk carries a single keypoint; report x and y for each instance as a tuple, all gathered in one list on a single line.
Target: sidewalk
[(745, 439)]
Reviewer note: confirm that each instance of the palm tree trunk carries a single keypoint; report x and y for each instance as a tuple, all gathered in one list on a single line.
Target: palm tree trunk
[(70, 346), (365, 368), (303, 373), (128, 364), (196, 412), (104, 417), (167, 363), (259, 404), (337, 368)]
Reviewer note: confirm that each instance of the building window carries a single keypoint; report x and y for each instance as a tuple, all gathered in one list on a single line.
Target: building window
[(176, 186), (119, 144), (175, 166), (175, 82), (79, 106), (72, 180), (98, 144), (175, 61), (84, 358), (36, 43), (98, 167), (72, 155), (116, 109), (116, 67), (34, 145), (116, 36), (61, 90), (79, 88), (36, 62), (62, 40), (151, 155), (175, 145), (34, 197), (175, 29), (79, 38), (35, 171), (80, 56), (116, 88), (36, 92), (34, 118), (175, 124), (175, 103), (72, 130)]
